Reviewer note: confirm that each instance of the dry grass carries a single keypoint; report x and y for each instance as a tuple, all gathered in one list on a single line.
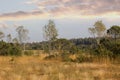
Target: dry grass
[(34, 68)]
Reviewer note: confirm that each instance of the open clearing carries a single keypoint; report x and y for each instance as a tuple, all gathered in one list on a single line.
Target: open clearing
[(33, 68)]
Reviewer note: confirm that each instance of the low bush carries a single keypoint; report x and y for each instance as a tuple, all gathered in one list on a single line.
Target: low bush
[(65, 57), (9, 49)]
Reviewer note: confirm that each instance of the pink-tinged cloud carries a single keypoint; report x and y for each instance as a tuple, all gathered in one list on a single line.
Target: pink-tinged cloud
[(67, 8), (20, 15)]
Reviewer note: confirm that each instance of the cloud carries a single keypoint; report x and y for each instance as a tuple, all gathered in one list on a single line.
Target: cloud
[(67, 8), (84, 7), (31, 1), (3, 25), (20, 15)]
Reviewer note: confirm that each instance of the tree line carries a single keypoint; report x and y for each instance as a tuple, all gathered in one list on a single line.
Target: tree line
[(14, 46), (103, 43)]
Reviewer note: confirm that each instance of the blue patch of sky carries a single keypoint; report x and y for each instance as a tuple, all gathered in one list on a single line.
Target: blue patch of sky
[(7, 6)]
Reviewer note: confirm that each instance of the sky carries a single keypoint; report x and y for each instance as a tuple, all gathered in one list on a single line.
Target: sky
[(72, 17)]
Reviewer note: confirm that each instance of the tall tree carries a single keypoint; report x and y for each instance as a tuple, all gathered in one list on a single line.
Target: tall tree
[(50, 32), (100, 28), (22, 35), (1, 35)]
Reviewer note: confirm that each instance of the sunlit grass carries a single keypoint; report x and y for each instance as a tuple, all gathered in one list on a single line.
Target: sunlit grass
[(33, 68)]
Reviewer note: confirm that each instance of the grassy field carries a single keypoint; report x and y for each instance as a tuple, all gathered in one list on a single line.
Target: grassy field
[(34, 68)]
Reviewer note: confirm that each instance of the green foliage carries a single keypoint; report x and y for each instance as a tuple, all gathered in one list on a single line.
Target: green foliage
[(100, 28), (14, 50), (112, 45), (46, 48), (114, 31), (84, 44), (101, 51), (65, 57), (7, 49), (50, 31), (62, 44), (74, 49), (22, 34)]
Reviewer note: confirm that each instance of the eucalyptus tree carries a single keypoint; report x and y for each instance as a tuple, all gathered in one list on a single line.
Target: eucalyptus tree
[(50, 33), (22, 35), (98, 30)]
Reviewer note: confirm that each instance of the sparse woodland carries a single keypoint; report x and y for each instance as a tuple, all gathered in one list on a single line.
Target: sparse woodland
[(60, 58), (103, 44)]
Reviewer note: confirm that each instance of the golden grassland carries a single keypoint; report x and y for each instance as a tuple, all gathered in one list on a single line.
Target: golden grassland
[(35, 68)]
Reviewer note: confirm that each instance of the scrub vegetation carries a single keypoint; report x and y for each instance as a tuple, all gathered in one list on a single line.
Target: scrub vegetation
[(93, 58)]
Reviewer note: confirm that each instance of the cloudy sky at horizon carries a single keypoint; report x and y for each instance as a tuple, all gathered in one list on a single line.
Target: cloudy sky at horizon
[(72, 17)]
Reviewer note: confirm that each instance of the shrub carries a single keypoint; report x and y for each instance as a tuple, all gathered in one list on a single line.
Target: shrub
[(112, 46), (11, 49), (65, 57), (14, 50), (102, 52)]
